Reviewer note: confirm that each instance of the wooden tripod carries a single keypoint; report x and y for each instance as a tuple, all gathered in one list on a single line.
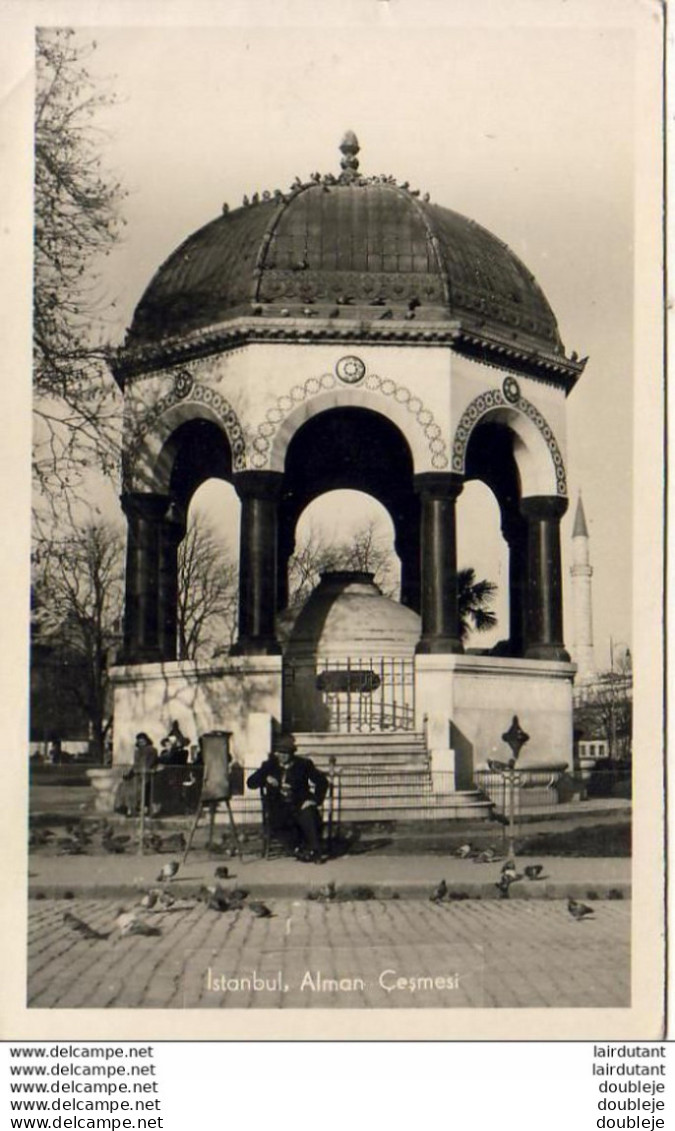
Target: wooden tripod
[(211, 804)]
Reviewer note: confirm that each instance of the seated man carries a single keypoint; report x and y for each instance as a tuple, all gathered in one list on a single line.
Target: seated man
[(294, 790)]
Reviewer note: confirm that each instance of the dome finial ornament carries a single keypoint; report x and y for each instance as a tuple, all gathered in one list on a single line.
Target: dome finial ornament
[(349, 147)]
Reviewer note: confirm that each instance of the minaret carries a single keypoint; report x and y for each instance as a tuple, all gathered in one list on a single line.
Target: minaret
[(582, 572)]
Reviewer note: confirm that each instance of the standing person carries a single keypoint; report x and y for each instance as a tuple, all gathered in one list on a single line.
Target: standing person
[(294, 790), (145, 759)]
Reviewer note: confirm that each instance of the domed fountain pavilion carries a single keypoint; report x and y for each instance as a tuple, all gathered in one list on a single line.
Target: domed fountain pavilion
[(348, 333)]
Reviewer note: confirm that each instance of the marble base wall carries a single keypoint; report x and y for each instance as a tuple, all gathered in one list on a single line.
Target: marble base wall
[(241, 694), (467, 702)]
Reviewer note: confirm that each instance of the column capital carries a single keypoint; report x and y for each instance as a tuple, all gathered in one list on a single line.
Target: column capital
[(439, 484), (258, 484), (142, 504), (544, 506)]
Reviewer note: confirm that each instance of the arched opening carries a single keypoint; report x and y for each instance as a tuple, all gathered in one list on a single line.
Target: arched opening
[(352, 449), (198, 450), (344, 530), (348, 643), (482, 549), (493, 531), (193, 452), (208, 573)]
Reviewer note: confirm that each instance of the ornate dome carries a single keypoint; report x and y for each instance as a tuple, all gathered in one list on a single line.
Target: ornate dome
[(350, 250)]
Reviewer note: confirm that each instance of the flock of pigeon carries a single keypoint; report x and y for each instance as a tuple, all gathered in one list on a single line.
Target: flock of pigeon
[(136, 920), (509, 875), (83, 838), (327, 181)]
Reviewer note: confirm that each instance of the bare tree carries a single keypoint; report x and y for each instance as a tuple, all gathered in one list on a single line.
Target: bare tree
[(77, 222), (607, 710), (370, 550), (77, 608), (366, 550), (207, 593)]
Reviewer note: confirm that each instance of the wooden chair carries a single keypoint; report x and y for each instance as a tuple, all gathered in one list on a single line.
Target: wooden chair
[(328, 820)]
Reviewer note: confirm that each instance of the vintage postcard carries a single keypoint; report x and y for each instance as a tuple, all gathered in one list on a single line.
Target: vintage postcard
[(335, 386)]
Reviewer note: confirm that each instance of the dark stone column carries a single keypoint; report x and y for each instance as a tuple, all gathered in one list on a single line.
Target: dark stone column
[(144, 514), (409, 553), (438, 554), (407, 545), (514, 530), (258, 578), (543, 595), (171, 534)]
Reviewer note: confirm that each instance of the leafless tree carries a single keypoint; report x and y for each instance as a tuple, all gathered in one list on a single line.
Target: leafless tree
[(77, 607), (207, 593), (367, 550), (77, 222), (607, 710), (370, 550)]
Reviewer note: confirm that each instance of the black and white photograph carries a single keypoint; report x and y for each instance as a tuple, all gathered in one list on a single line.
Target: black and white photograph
[(341, 556)]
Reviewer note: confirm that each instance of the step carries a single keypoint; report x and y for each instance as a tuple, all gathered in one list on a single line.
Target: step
[(421, 799), (446, 811), (412, 774), (366, 765), (306, 739)]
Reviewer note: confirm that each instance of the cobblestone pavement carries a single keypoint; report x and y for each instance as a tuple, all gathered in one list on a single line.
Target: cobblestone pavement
[(468, 953)]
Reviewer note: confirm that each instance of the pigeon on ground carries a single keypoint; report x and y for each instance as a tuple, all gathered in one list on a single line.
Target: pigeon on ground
[(149, 899), (463, 851), (487, 856), (132, 923), (238, 895), (81, 927), (114, 844), (260, 910), (79, 833), (219, 903), (168, 872), (502, 887), (69, 847), (175, 842), (579, 910), (222, 872), (165, 901), (510, 873), (533, 871), (214, 897), (440, 892)]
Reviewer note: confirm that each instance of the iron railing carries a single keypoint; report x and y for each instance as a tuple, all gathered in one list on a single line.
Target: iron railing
[(367, 694)]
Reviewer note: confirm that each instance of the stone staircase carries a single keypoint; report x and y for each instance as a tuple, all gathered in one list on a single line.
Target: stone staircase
[(387, 776)]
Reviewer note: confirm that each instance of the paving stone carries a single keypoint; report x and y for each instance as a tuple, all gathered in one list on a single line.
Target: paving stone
[(343, 955)]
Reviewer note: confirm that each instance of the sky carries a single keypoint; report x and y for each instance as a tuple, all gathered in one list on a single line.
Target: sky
[(526, 128)]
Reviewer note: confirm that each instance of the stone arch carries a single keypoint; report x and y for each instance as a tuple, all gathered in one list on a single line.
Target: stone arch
[(536, 451), (380, 395), (147, 460), (352, 448)]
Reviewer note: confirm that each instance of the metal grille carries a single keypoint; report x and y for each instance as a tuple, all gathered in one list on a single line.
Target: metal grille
[(367, 694)]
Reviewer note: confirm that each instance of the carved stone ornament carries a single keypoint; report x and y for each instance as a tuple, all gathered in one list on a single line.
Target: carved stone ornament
[(182, 383), (351, 370), (511, 390)]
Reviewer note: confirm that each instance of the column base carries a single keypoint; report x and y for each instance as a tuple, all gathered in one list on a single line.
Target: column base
[(256, 646), (132, 656), (547, 652), (438, 645)]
